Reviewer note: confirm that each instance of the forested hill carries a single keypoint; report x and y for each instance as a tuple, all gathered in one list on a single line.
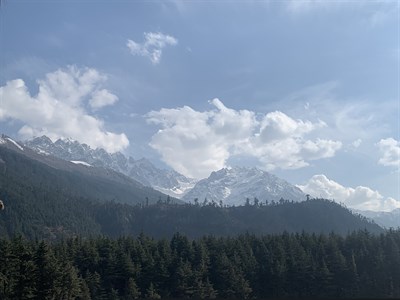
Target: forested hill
[(163, 220)]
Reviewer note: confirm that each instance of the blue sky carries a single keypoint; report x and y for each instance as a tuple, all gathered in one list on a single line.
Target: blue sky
[(308, 90)]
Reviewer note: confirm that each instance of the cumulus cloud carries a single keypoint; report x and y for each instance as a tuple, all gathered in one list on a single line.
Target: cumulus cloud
[(360, 197), (390, 150), (58, 108), (102, 98), (195, 143), (152, 46)]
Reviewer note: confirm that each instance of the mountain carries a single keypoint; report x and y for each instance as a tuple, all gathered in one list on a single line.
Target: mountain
[(21, 163), (168, 182), (384, 219), (234, 185), (46, 197), (142, 170)]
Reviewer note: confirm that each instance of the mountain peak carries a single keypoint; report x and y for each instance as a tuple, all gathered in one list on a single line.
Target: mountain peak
[(42, 139), (233, 185)]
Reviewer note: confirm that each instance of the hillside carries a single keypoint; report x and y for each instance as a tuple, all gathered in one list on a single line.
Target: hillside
[(42, 197), (159, 221)]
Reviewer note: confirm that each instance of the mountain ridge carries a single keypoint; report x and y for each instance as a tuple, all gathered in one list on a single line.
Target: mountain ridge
[(142, 170), (231, 185), (99, 182)]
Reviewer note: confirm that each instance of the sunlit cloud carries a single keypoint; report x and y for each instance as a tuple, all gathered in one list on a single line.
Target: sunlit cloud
[(153, 45), (360, 197), (390, 150), (58, 109), (195, 143)]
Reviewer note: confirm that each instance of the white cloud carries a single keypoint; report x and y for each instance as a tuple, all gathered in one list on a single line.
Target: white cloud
[(58, 108), (356, 143), (196, 143), (363, 198), (102, 98), (390, 150), (152, 46)]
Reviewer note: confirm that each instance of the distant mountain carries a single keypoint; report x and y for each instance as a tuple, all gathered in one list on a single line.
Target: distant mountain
[(21, 163), (46, 197), (142, 170), (382, 218), (234, 185)]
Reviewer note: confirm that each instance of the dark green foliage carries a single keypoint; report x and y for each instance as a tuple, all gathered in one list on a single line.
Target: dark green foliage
[(163, 220), (245, 267)]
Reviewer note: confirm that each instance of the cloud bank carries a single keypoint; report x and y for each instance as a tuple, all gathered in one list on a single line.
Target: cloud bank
[(195, 143), (58, 109), (390, 150), (362, 198), (152, 47)]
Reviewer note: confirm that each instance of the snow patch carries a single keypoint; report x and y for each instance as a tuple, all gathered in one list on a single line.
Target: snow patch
[(78, 162), (40, 151), (226, 192), (15, 143)]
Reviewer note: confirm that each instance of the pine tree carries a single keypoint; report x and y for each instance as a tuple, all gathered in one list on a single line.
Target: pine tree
[(45, 275), (68, 283), (133, 291), (84, 290), (24, 269), (151, 292)]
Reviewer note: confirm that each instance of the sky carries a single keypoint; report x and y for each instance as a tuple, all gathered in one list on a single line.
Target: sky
[(307, 90)]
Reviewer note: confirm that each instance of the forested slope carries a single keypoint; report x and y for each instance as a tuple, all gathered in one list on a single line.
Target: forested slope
[(245, 267)]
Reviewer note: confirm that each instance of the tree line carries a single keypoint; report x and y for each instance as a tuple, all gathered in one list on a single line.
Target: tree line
[(297, 265)]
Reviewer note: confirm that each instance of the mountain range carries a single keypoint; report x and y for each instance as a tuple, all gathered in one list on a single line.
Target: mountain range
[(230, 185), (142, 170), (47, 197)]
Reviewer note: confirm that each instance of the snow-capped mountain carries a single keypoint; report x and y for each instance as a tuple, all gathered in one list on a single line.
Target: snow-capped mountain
[(142, 170), (383, 218), (234, 185), (231, 185)]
